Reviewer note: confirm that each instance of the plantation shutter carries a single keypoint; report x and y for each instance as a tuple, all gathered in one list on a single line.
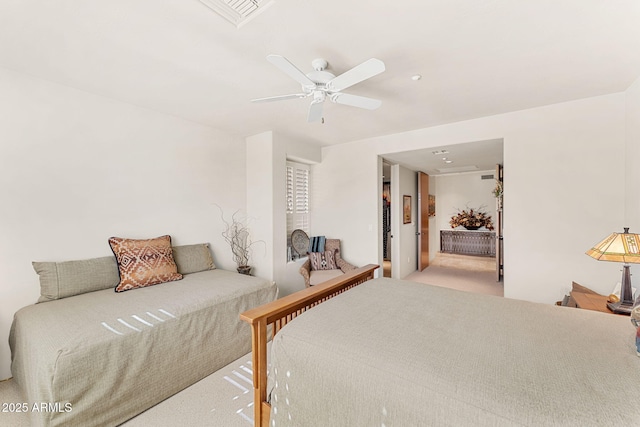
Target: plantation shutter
[(297, 197)]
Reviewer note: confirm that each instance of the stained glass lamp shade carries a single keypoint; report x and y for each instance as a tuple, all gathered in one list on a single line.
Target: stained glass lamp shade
[(620, 247)]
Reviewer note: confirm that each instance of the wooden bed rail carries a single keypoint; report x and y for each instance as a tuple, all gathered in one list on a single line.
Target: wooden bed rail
[(278, 313)]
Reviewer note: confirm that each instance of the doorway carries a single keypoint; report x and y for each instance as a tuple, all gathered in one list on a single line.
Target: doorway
[(424, 215), (474, 160), (386, 219), (401, 221)]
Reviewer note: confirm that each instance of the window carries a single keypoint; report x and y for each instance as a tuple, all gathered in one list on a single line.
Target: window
[(297, 198)]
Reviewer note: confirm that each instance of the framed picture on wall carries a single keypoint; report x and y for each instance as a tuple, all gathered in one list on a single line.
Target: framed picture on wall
[(406, 209), (432, 205)]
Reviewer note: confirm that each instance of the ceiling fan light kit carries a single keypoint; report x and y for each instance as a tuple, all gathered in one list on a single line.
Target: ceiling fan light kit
[(321, 84)]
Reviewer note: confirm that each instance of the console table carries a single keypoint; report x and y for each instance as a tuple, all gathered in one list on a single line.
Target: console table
[(468, 242)]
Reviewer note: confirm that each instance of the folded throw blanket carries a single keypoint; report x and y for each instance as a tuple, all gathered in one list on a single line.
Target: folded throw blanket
[(316, 244)]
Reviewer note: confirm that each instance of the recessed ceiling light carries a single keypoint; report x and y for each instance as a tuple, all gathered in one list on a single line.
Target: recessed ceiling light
[(448, 161), (416, 77)]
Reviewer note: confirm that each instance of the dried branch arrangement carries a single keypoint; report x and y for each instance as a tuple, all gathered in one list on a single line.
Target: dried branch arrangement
[(237, 235)]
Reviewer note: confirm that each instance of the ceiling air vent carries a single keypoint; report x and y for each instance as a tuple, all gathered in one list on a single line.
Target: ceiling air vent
[(458, 169), (238, 12), (486, 177)]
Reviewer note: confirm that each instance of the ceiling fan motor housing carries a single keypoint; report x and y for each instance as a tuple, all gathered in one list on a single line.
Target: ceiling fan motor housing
[(319, 64), (320, 77)]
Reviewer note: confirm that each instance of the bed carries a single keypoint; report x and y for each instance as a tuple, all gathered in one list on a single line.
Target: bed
[(396, 353), (101, 357)]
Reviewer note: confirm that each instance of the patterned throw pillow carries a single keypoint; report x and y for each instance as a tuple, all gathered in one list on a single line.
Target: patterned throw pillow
[(322, 260), (144, 262)]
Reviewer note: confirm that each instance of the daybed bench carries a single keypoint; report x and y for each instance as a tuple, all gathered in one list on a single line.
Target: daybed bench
[(98, 358)]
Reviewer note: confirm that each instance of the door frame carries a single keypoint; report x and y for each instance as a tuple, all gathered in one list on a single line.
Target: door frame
[(423, 220), (396, 218), (499, 176)]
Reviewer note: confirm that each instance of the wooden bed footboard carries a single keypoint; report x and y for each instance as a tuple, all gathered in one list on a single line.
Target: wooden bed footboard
[(278, 313)]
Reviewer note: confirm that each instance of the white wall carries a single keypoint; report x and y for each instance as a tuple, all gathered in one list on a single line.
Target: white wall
[(632, 157), (555, 158), (462, 191), (632, 171), (345, 192), (76, 169)]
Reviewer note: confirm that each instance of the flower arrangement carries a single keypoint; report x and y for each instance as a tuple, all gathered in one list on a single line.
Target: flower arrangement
[(498, 191), (472, 219)]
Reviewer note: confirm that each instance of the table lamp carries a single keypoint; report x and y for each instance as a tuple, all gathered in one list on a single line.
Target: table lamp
[(620, 247)]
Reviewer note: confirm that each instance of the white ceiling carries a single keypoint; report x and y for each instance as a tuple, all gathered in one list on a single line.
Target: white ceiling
[(477, 57), (477, 156)]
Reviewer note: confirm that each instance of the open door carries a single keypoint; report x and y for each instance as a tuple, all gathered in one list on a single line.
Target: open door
[(423, 221), (499, 248)]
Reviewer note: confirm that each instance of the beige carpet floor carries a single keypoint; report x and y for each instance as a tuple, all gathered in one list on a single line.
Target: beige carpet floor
[(225, 398), (479, 282)]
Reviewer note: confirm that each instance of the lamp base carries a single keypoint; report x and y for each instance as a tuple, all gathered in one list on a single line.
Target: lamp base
[(620, 307)]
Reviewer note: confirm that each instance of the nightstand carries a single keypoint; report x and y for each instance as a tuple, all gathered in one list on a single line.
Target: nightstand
[(594, 302)]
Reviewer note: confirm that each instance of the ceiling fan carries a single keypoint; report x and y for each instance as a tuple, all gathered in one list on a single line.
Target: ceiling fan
[(321, 84)]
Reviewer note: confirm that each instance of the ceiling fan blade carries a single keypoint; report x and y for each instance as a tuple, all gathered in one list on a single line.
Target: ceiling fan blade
[(315, 111), (280, 97), (291, 70), (356, 101), (367, 69)]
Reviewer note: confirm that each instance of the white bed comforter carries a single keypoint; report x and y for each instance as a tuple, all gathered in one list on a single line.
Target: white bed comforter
[(396, 353)]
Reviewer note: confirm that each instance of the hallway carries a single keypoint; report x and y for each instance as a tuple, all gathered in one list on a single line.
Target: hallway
[(474, 281), (462, 272)]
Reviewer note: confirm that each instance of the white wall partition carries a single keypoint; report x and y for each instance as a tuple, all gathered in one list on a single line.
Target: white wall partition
[(265, 167), (405, 241), (556, 203), (267, 155)]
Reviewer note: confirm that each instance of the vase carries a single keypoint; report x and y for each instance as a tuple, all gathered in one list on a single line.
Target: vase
[(472, 227), (245, 269)]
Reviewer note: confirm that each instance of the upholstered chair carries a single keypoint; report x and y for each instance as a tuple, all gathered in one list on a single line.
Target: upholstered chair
[(314, 277)]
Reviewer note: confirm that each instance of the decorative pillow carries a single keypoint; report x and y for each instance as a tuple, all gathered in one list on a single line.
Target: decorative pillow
[(144, 262), (322, 260), (66, 279), (193, 258), (316, 244)]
